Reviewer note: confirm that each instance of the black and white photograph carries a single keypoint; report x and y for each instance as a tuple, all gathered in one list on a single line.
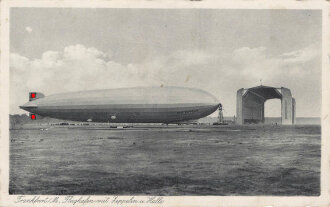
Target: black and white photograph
[(165, 101)]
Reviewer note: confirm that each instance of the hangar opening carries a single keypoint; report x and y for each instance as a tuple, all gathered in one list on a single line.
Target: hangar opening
[(273, 111), (250, 106)]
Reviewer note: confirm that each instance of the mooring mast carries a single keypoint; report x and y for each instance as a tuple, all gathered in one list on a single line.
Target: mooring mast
[(220, 115)]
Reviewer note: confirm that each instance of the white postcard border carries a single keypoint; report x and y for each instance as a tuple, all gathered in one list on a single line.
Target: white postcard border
[(322, 200)]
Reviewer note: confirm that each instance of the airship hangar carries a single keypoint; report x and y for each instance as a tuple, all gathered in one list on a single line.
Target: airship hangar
[(251, 104)]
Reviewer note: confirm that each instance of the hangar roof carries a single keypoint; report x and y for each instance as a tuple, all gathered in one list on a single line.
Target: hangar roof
[(264, 92)]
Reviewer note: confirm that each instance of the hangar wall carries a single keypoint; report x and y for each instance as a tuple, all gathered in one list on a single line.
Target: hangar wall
[(286, 106), (239, 106), (253, 109), (293, 111)]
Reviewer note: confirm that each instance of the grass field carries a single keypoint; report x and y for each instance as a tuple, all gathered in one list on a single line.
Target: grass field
[(178, 160)]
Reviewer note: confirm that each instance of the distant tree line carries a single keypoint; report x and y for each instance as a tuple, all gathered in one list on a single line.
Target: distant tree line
[(17, 120)]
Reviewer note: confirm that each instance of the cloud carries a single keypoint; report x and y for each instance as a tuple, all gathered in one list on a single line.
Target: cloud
[(28, 29), (249, 55), (80, 52), (192, 57), (257, 63), (78, 67)]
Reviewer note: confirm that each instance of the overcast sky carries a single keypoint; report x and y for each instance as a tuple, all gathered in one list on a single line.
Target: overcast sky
[(219, 51)]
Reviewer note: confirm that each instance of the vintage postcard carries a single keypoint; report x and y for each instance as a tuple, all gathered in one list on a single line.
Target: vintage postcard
[(164, 103)]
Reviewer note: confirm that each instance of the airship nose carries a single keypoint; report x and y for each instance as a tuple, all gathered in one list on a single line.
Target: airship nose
[(29, 107)]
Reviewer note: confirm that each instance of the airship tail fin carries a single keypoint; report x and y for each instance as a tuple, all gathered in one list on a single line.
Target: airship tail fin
[(35, 95)]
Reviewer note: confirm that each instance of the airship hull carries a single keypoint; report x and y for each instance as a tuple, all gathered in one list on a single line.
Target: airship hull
[(133, 105)]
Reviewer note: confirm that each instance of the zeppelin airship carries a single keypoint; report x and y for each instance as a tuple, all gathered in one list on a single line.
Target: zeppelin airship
[(125, 105)]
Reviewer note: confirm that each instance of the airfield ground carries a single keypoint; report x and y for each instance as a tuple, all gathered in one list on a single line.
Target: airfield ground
[(166, 160)]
